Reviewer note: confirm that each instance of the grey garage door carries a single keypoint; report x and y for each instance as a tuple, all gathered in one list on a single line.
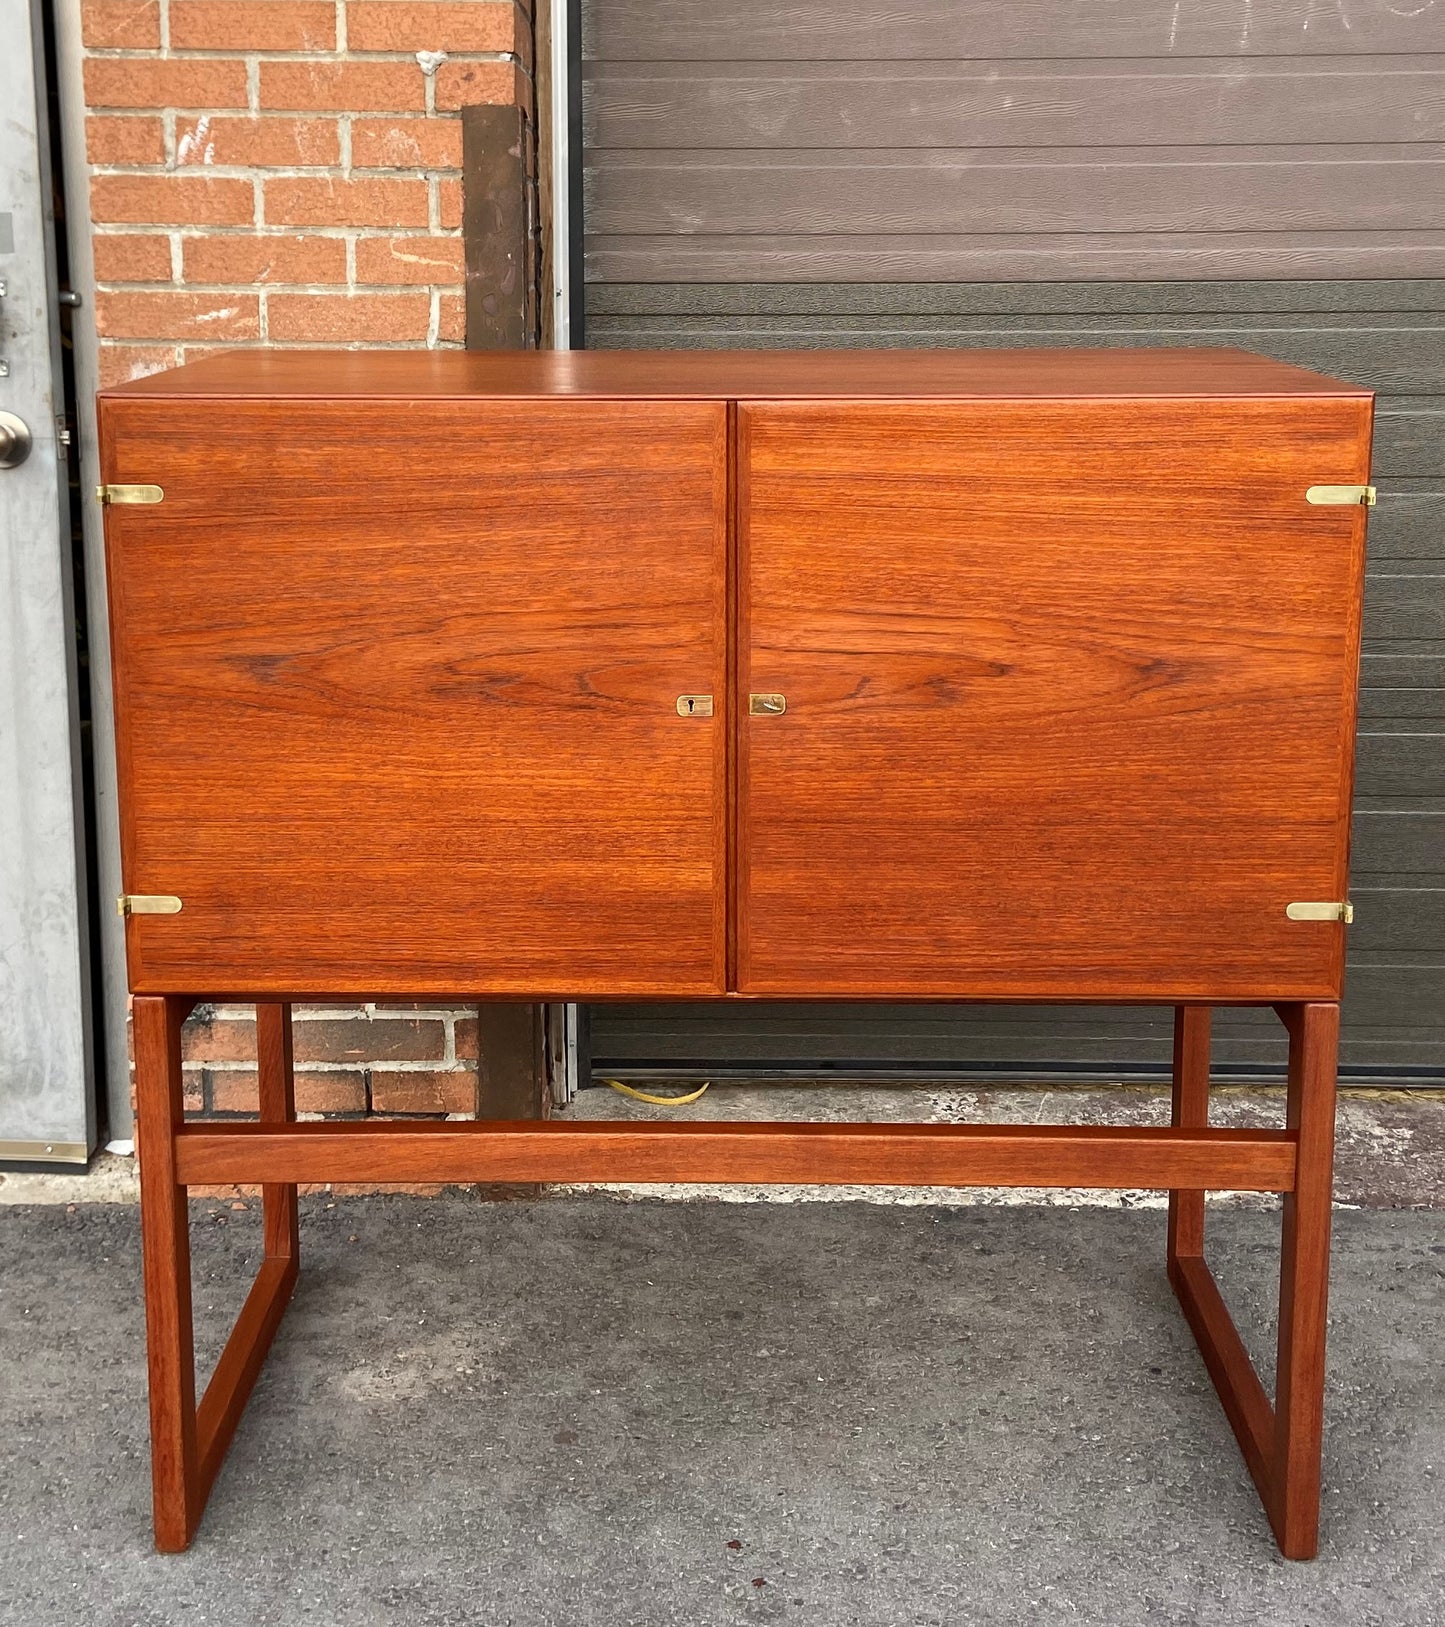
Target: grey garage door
[(1266, 173)]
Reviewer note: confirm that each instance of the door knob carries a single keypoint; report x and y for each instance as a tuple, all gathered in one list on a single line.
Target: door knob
[(14, 440)]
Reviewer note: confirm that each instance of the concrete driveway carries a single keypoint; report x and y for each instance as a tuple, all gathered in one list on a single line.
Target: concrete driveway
[(593, 1410)]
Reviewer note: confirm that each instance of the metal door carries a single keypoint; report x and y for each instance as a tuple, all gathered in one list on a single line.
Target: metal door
[(46, 1108)]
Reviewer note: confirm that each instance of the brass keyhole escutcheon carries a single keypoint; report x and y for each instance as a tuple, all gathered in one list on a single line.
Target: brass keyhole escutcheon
[(694, 705), (767, 705)]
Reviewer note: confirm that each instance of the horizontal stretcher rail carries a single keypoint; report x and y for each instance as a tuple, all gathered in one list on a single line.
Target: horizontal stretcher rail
[(753, 1151)]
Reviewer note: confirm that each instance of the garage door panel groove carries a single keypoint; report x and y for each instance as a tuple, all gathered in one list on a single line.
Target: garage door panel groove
[(1123, 102), (620, 31)]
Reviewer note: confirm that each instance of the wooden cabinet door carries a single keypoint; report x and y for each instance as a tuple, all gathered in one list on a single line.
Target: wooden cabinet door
[(1069, 697), (397, 694)]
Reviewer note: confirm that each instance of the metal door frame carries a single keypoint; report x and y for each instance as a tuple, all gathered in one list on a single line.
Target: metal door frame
[(45, 939)]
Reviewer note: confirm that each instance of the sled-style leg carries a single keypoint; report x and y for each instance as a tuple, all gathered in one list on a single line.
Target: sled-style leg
[(1281, 1444), (188, 1443)]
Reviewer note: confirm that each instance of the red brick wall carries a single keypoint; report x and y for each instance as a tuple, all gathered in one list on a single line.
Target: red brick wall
[(288, 173), (284, 172), (349, 1060)]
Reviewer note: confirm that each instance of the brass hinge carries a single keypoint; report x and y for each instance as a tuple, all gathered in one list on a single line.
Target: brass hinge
[(147, 904), (129, 494), (1353, 496), (1321, 912)]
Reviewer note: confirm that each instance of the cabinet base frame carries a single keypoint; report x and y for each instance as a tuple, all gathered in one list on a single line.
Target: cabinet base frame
[(1281, 1443)]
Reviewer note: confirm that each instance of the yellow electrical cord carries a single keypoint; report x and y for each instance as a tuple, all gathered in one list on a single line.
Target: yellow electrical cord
[(657, 1101)]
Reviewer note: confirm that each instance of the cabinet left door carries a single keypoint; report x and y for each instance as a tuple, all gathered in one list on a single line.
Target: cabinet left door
[(397, 691)]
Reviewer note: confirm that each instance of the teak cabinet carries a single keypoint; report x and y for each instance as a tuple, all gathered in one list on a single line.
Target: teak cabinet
[(991, 676), (1067, 688)]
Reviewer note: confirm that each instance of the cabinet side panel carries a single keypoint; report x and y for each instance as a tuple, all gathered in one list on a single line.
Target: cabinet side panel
[(397, 687), (1069, 693)]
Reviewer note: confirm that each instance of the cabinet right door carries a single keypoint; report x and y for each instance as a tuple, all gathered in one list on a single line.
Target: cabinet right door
[(1050, 699)]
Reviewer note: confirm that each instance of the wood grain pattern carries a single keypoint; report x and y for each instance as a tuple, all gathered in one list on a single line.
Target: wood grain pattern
[(1069, 698), (626, 1150), (417, 376), (395, 695)]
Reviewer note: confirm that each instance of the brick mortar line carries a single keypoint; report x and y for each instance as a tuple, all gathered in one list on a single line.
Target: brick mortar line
[(331, 290), (200, 342), (370, 1010), (288, 172), (210, 346), (360, 1065), (363, 1010), (132, 228), (350, 56)]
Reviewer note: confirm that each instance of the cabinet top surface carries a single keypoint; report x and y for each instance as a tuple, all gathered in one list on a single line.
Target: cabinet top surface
[(738, 374)]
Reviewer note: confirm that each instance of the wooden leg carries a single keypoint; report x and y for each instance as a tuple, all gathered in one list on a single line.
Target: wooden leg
[(1191, 1112), (277, 1078), (241, 1361), (1281, 1444), (166, 1249), (1299, 1399), (188, 1442)]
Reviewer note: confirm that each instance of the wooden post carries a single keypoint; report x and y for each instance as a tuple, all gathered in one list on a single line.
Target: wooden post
[(512, 1075), (1191, 1112), (1304, 1279), (511, 1078), (166, 1252), (276, 1074), (499, 228)]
